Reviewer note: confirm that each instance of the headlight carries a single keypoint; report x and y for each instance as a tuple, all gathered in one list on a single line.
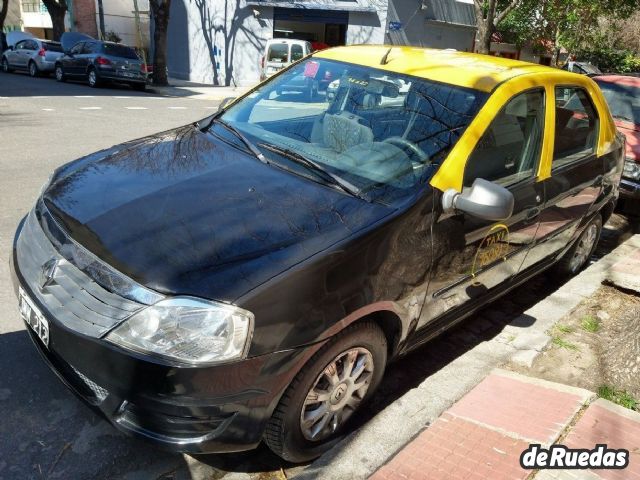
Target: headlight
[(188, 330), (631, 169)]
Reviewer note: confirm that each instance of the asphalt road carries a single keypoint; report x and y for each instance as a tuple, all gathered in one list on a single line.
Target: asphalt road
[(45, 432)]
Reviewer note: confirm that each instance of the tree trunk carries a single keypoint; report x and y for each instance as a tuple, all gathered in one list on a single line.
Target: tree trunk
[(3, 14), (57, 11), (484, 37), (160, 24)]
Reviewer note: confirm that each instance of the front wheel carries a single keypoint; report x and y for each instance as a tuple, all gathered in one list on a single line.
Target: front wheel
[(313, 413), (578, 255)]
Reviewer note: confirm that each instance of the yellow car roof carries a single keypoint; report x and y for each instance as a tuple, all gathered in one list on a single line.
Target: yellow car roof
[(472, 70)]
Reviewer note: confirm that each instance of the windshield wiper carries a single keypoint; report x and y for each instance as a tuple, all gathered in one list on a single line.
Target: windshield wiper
[(252, 148), (333, 179)]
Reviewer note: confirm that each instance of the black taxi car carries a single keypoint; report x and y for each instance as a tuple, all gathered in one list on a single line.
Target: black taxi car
[(248, 277)]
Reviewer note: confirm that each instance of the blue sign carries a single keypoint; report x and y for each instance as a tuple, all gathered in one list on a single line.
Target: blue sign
[(395, 26)]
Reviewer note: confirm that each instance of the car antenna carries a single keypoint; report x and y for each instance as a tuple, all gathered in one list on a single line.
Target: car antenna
[(385, 59)]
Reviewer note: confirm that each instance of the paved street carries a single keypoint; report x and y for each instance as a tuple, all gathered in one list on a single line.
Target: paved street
[(44, 431)]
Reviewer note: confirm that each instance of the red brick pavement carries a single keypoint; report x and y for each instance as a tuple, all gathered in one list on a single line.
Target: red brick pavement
[(607, 425), (483, 435)]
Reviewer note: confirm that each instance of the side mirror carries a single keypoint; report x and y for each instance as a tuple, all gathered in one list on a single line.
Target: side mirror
[(226, 102), (486, 200)]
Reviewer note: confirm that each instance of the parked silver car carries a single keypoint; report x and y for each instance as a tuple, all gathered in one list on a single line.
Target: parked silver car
[(34, 55)]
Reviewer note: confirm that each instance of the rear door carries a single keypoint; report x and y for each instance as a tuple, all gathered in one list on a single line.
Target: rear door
[(576, 172), (277, 57)]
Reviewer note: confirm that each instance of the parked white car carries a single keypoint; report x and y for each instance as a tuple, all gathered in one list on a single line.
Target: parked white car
[(282, 52)]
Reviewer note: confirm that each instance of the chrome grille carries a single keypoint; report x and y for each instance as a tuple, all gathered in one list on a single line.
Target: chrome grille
[(70, 295)]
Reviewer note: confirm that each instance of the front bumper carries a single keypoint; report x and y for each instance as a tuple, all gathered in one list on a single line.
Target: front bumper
[(222, 408)]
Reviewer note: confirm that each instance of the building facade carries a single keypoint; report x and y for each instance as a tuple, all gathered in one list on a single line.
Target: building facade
[(222, 41)]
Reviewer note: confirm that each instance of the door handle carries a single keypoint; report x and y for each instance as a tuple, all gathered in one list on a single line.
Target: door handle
[(532, 213)]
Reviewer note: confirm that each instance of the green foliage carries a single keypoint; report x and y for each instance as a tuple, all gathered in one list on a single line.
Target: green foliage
[(620, 397), (609, 59), (590, 324)]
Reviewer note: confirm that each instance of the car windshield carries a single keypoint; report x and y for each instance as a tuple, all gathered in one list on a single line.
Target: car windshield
[(278, 52), (623, 100), (382, 132), (119, 51)]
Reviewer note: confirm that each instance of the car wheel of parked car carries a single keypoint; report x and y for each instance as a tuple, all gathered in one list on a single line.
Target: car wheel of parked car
[(338, 379), (5, 66), (33, 69), (94, 80), (578, 255), (60, 76)]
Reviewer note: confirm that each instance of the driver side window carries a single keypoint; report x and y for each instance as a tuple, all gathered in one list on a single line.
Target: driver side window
[(509, 150), (77, 48)]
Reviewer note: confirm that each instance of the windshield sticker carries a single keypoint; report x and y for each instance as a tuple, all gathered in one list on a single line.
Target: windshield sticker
[(311, 69)]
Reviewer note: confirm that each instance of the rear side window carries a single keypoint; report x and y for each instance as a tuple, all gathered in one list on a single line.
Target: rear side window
[(278, 52), (510, 148), (576, 126), (52, 47), (119, 51), (296, 52)]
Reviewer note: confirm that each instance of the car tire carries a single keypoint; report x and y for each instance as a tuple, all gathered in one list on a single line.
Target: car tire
[(59, 74), (33, 69), (287, 433), (93, 79), (6, 68), (574, 260), (140, 87)]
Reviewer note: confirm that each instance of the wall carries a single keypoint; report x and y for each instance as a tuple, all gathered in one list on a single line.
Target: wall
[(418, 31), (118, 18), (84, 17), (217, 41)]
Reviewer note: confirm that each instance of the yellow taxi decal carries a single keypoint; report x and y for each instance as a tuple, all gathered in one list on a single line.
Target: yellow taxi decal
[(451, 172)]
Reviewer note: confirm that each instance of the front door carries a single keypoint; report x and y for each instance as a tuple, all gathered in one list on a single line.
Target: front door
[(474, 256), (71, 62)]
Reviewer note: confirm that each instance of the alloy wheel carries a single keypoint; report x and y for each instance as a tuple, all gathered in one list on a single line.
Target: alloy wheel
[(336, 393), (92, 78), (584, 247), (33, 70), (5, 65), (59, 73)]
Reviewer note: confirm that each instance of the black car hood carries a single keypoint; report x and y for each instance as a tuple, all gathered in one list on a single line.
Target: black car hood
[(185, 213)]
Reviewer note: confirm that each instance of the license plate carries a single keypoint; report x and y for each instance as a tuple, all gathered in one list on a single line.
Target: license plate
[(33, 317), (127, 74)]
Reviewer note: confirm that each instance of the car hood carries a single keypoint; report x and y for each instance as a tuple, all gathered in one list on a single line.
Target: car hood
[(69, 39), (185, 213), (14, 37), (632, 134)]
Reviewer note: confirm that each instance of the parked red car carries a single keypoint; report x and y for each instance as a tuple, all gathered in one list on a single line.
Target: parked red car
[(623, 96)]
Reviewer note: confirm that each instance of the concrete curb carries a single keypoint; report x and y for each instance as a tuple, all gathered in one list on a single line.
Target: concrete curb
[(586, 396), (360, 454)]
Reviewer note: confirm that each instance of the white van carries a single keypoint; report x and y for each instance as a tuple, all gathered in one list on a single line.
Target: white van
[(281, 52)]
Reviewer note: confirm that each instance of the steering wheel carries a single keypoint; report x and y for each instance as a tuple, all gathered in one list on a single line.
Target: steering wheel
[(403, 142)]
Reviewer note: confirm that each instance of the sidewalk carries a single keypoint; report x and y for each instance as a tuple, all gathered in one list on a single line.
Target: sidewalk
[(515, 341), (199, 91), (483, 435)]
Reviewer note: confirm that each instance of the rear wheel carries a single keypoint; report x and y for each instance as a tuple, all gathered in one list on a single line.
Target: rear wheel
[(5, 66), (578, 255), (314, 411), (93, 79), (33, 69), (59, 72)]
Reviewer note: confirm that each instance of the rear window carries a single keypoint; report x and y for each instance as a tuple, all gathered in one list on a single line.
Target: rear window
[(52, 47), (119, 51), (296, 52), (278, 52)]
